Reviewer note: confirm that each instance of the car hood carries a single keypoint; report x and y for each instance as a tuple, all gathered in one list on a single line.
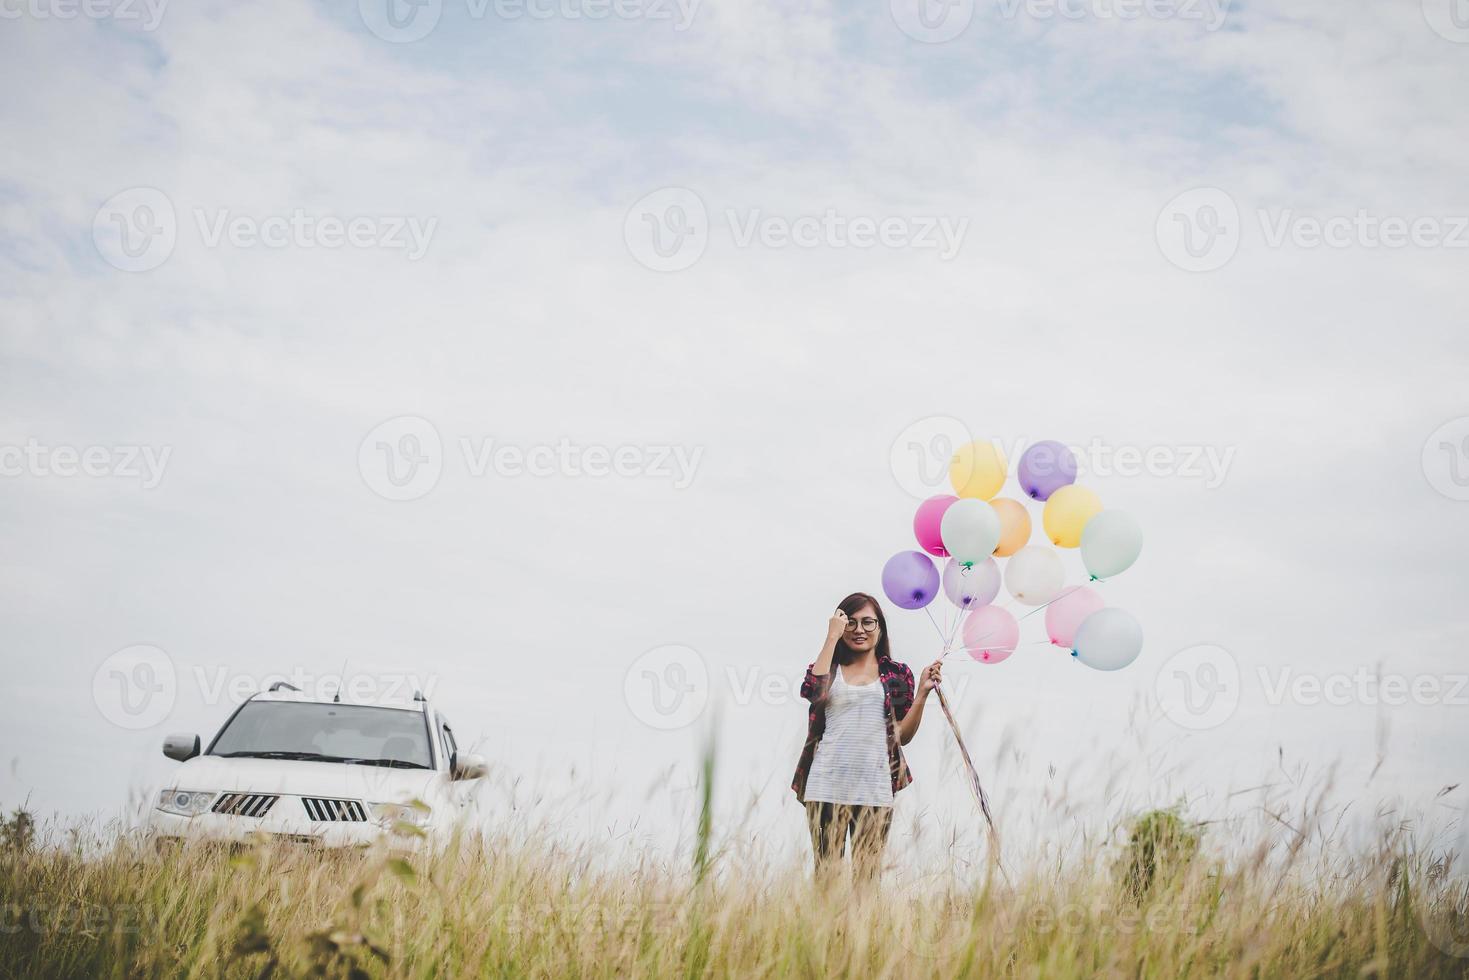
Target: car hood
[(289, 777)]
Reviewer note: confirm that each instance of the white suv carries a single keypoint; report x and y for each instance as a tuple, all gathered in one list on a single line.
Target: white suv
[(315, 770)]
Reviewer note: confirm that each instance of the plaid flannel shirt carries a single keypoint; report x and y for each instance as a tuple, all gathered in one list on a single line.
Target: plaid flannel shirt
[(897, 696)]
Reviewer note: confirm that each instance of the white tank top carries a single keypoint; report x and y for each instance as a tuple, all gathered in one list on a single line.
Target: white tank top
[(851, 763)]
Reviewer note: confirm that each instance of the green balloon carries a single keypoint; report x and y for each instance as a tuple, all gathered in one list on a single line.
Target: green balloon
[(1110, 543)]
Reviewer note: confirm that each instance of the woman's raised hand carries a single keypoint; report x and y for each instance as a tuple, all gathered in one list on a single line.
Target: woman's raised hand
[(932, 676), (837, 626)]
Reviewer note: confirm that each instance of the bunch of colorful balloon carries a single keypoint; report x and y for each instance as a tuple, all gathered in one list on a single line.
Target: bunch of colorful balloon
[(975, 530)]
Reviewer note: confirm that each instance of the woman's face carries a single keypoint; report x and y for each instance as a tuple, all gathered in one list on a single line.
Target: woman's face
[(862, 630)]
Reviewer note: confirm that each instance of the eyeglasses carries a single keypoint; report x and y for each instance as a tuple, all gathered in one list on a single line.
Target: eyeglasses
[(868, 625)]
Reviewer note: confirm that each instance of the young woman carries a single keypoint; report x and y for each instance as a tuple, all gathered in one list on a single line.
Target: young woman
[(863, 710)]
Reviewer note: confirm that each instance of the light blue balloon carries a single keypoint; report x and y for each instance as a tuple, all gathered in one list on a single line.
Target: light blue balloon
[(1108, 639)]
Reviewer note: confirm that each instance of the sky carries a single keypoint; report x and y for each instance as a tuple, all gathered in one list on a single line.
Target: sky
[(571, 360)]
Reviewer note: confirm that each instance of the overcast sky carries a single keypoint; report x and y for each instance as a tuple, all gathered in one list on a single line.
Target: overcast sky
[(275, 264)]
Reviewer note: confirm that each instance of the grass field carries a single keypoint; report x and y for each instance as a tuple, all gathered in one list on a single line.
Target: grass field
[(1150, 903)]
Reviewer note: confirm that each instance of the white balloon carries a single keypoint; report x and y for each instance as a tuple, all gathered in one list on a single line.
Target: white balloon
[(970, 588), (970, 530), (1110, 543), (1034, 574), (1108, 639)]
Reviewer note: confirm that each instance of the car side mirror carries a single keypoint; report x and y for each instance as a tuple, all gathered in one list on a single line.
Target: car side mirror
[(181, 747), (468, 765)]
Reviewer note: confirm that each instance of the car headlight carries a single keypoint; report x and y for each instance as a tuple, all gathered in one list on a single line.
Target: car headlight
[(414, 814), (184, 802)]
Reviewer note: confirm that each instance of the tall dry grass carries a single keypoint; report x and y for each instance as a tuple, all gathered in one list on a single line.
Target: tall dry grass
[(1154, 901)]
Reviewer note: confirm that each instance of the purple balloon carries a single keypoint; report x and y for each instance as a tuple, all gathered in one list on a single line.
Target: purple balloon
[(910, 579), (972, 587), (1045, 468)]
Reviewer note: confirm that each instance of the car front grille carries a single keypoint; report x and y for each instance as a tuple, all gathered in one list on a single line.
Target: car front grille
[(334, 811), (244, 804)]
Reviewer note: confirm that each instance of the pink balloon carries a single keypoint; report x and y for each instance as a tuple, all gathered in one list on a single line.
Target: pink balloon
[(1064, 615), (926, 524), (990, 634)]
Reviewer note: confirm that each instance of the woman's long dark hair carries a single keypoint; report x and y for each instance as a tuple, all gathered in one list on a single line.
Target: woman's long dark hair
[(845, 654)]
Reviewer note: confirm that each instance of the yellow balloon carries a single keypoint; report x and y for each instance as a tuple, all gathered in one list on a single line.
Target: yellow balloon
[(1067, 511), (1014, 526), (977, 470)]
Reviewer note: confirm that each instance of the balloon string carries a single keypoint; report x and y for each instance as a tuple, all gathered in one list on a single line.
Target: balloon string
[(1020, 619), (959, 612), (974, 784), (929, 609), (949, 640), (948, 613)]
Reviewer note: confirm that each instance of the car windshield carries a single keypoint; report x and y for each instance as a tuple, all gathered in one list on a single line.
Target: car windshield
[(327, 733)]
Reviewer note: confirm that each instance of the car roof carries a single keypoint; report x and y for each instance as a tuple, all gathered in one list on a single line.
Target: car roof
[(300, 697)]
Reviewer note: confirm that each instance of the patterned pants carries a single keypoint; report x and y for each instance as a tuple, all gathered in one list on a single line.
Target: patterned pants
[(832, 824)]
